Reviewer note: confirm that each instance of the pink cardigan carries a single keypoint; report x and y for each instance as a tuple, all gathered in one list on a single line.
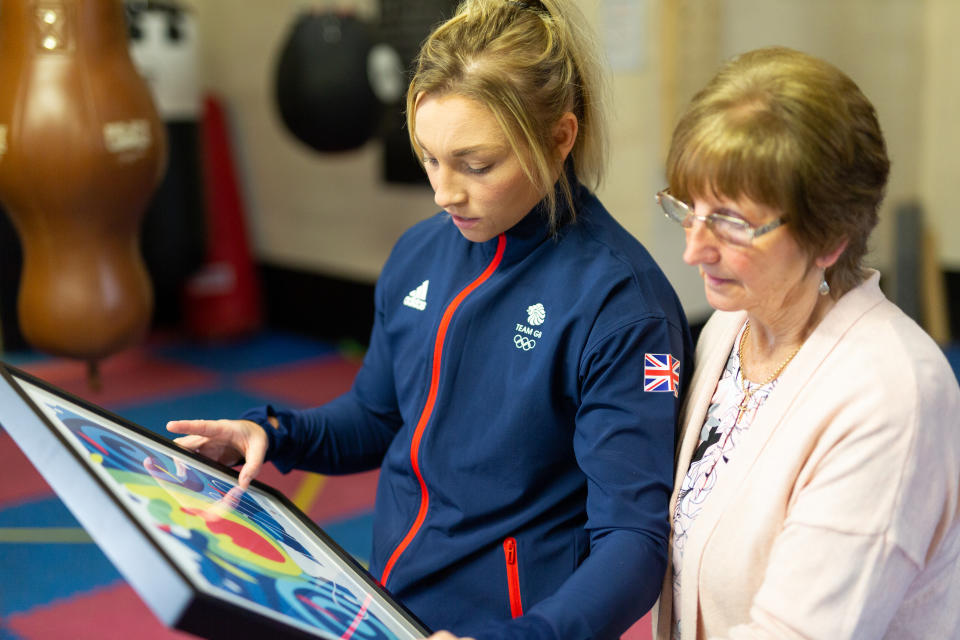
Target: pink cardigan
[(837, 516)]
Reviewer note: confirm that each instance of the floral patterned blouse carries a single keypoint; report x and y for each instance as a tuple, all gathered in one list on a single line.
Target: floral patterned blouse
[(727, 422)]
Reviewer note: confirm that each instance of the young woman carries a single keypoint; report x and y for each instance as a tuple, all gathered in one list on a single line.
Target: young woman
[(520, 392)]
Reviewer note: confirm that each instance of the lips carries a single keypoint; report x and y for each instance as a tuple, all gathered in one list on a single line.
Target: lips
[(464, 223), (712, 280)]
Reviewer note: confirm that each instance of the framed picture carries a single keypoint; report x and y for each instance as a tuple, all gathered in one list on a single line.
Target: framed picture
[(206, 557)]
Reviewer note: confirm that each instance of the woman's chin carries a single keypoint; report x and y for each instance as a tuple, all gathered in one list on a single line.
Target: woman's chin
[(721, 302), (472, 229)]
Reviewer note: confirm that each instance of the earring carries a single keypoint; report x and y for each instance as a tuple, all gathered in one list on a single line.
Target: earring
[(824, 287)]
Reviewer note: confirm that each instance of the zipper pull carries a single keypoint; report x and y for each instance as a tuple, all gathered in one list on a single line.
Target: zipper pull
[(510, 550), (513, 577)]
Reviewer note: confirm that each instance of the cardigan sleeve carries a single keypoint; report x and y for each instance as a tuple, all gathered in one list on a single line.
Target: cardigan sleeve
[(821, 583)]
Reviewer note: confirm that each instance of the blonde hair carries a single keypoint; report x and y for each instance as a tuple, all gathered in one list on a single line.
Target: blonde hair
[(792, 132), (529, 62)]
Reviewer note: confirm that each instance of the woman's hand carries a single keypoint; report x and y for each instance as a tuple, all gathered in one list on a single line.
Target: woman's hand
[(445, 635), (226, 441)]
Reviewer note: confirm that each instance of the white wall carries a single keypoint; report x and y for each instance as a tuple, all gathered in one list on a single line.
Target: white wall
[(333, 213), (325, 212), (939, 130), (879, 44)]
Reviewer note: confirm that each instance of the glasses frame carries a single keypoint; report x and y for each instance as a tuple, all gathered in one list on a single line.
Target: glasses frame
[(750, 232)]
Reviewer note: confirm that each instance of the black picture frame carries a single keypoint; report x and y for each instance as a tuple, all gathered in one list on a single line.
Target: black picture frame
[(205, 558)]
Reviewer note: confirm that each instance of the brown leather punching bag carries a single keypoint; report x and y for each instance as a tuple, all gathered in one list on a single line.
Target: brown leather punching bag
[(81, 150)]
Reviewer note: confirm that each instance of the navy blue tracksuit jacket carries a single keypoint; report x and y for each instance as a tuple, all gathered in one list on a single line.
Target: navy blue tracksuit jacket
[(520, 397)]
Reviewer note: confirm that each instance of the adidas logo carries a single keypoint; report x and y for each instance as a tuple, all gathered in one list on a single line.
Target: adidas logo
[(417, 299)]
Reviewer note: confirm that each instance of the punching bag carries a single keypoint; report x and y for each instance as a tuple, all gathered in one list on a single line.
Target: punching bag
[(81, 150), (323, 91)]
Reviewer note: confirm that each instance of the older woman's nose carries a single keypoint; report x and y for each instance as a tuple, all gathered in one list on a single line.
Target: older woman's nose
[(701, 244)]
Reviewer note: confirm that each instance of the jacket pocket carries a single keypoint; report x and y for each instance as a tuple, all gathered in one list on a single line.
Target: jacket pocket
[(513, 577)]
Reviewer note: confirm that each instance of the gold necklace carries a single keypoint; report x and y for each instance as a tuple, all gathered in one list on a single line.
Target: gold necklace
[(742, 407), (747, 390)]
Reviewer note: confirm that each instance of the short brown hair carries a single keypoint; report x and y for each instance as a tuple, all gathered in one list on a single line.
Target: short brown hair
[(794, 133), (529, 62)]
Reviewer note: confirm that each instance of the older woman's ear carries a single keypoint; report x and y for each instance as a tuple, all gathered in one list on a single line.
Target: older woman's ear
[(828, 259)]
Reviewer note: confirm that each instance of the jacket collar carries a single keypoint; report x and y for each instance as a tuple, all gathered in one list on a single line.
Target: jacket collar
[(534, 228)]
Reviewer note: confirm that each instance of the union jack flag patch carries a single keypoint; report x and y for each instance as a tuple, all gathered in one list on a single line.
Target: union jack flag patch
[(661, 372)]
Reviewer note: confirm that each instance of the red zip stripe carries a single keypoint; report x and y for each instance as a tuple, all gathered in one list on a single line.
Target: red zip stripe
[(513, 577), (431, 400)]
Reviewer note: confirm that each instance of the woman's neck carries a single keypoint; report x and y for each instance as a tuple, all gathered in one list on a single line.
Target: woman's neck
[(772, 339)]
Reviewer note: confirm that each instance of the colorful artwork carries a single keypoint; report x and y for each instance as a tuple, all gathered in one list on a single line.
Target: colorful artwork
[(245, 547)]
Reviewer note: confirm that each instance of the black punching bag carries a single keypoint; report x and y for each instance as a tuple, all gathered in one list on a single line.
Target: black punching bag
[(323, 91)]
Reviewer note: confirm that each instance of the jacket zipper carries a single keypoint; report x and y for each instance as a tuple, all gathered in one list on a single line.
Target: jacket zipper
[(513, 577), (431, 401)]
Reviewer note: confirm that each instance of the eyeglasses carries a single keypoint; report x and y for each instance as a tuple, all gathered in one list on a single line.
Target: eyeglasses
[(726, 228)]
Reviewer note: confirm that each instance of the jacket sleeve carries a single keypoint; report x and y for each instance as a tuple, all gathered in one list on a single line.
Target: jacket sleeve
[(624, 443), (349, 434)]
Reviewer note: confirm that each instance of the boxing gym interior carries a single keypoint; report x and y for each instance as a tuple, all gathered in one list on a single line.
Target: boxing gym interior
[(222, 252)]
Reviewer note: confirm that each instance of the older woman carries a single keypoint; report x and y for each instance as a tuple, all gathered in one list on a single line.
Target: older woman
[(816, 493)]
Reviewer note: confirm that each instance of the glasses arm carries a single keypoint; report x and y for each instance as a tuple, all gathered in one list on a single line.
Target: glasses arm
[(770, 226)]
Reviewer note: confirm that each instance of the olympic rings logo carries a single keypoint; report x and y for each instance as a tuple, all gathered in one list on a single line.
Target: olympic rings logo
[(523, 342)]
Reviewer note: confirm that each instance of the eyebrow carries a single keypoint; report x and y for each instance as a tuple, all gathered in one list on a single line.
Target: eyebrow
[(466, 151), (474, 149)]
